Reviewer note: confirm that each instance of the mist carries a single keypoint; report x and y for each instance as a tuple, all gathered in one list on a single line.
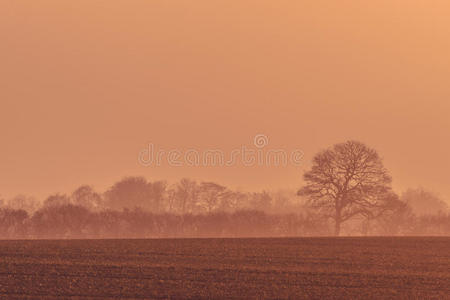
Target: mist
[(137, 208)]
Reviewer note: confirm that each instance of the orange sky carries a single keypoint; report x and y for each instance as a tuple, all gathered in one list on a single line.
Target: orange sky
[(85, 85)]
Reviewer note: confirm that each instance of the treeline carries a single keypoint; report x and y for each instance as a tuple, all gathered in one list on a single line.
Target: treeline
[(137, 208), (71, 221), (184, 197)]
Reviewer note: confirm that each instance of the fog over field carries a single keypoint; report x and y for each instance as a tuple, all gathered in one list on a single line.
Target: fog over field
[(137, 208)]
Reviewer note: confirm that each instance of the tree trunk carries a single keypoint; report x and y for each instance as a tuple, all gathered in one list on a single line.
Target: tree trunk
[(337, 227), (337, 222)]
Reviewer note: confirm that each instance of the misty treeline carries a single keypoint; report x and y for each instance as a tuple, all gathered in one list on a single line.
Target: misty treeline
[(346, 191), (137, 208)]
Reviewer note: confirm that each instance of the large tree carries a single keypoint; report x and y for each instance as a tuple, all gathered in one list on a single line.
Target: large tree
[(348, 180)]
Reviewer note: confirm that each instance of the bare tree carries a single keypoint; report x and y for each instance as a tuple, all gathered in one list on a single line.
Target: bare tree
[(424, 202), (261, 201), (27, 203), (56, 200), (347, 180), (86, 196), (183, 196), (210, 195), (158, 195)]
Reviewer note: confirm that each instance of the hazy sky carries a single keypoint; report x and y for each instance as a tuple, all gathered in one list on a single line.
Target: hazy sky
[(85, 85)]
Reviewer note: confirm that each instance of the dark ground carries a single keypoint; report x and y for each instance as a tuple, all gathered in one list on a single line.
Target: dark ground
[(297, 268)]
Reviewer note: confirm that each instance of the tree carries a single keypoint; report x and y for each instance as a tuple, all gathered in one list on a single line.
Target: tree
[(210, 195), (158, 191), (56, 200), (183, 196), (424, 202), (388, 208), (12, 222), (61, 221), (398, 221), (231, 200), (347, 180), (132, 192), (261, 201), (86, 196), (129, 192), (27, 203)]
